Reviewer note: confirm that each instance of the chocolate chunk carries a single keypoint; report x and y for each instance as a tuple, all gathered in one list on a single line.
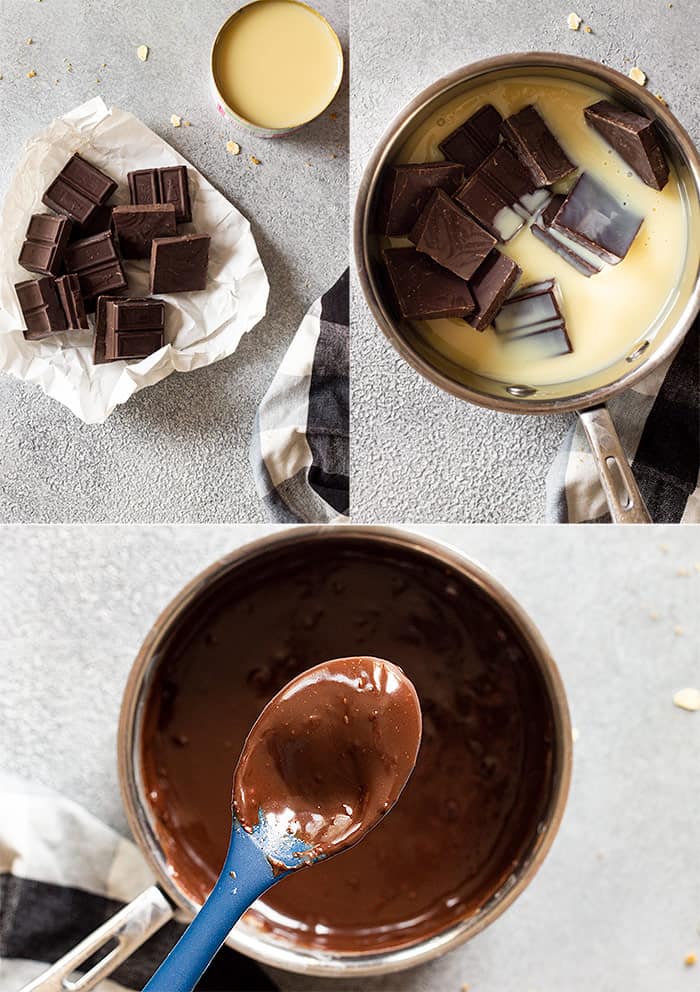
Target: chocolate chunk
[(41, 307), (582, 259), (167, 185), (592, 218), (179, 264), (78, 190), (534, 315), (424, 290), (450, 236), (407, 188), (127, 328), (536, 147), (500, 194), (490, 286), (96, 263), (634, 137), (99, 222), (44, 245), (68, 288), (474, 140), (137, 225)]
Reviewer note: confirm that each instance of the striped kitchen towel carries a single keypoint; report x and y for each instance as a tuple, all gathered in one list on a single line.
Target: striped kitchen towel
[(300, 446), (63, 873), (658, 421)]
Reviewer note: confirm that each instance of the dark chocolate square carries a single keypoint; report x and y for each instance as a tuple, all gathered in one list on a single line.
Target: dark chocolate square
[(634, 137), (491, 285), (41, 308), (450, 236), (424, 290), (45, 244), (179, 264), (593, 218), (406, 189), (473, 140), (128, 328), (536, 147), (136, 225)]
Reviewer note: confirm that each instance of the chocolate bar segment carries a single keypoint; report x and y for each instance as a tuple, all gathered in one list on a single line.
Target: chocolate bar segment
[(474, 140), (536, 147), (44, 245), (96, 263), (128, 328), (534, 315), (137, 225), (78, 190), (593, 219), (179, 264), (634, 137), (407, 188), (424, 290), (450, 236), (167, 185), (41, 308), (582, 259), (491, 285), (99, 222), (501, 195), (71, 297)]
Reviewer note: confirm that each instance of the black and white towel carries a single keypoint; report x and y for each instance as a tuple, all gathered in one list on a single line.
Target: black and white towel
[(658, 421), (63, 873), (300, 447)]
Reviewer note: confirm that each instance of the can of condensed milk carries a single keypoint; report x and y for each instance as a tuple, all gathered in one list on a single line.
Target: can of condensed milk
[(275, 66)]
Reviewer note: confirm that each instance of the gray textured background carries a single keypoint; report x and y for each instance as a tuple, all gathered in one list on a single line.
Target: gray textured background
[(177, 451), (420, 454), (615, 908)]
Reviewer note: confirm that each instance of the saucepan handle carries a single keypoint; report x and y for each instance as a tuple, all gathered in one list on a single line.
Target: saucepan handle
[(126, 931), (619, 484)]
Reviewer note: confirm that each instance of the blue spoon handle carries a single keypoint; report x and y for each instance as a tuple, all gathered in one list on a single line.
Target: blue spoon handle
[(245, 876)]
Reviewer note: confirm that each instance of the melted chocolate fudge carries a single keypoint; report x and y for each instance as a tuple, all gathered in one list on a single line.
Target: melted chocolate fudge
[(470, 811)]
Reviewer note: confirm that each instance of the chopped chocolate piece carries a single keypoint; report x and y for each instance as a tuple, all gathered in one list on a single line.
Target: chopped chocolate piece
[(634, 137), (179, 264), (45, 243), (490, 286), (71, 298), (168, 185), (100, 221), (501, 194), (136, 225), (407, 188), (128, 328), (536, 147), (534, 315), (78, 190), (592, 218), (41, 307), (474, 140), (582, 259), (423, 289), (96, 263), (450, 236)]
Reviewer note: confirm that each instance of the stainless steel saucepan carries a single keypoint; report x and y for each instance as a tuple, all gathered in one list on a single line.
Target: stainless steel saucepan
[(588, 395), (122, 935)]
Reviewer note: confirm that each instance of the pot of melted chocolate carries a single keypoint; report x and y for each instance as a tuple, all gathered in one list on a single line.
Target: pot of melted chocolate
[(489, 786)]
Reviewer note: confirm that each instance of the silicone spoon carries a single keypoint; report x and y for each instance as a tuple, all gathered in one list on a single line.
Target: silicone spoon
[(325, 761)]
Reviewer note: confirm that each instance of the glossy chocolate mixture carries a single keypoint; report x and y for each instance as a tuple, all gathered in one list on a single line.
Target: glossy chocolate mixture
[(329, 756), (472, 806)]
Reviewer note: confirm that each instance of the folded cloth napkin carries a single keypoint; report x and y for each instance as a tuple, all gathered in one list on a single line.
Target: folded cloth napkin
[(63, 874), (658, 421), (300, 446)]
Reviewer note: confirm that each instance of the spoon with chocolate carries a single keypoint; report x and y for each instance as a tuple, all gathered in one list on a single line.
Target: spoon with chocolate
[(326, 759)]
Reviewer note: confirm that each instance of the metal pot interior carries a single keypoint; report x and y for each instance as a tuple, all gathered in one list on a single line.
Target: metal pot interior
[(250, 939), (655, 343)]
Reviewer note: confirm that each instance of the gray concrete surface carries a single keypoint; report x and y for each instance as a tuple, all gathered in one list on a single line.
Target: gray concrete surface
[(420, 454), (179, 450), (617, 904)]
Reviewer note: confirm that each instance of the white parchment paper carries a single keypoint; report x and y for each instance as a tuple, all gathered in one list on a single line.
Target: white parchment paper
[(201, 328)]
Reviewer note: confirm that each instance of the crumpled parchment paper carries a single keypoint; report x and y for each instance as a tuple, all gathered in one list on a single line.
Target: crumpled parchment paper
[(201, 328)]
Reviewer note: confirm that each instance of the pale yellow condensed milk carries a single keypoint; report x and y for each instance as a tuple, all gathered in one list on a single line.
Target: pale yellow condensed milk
[(608, 314), (277, 64)]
